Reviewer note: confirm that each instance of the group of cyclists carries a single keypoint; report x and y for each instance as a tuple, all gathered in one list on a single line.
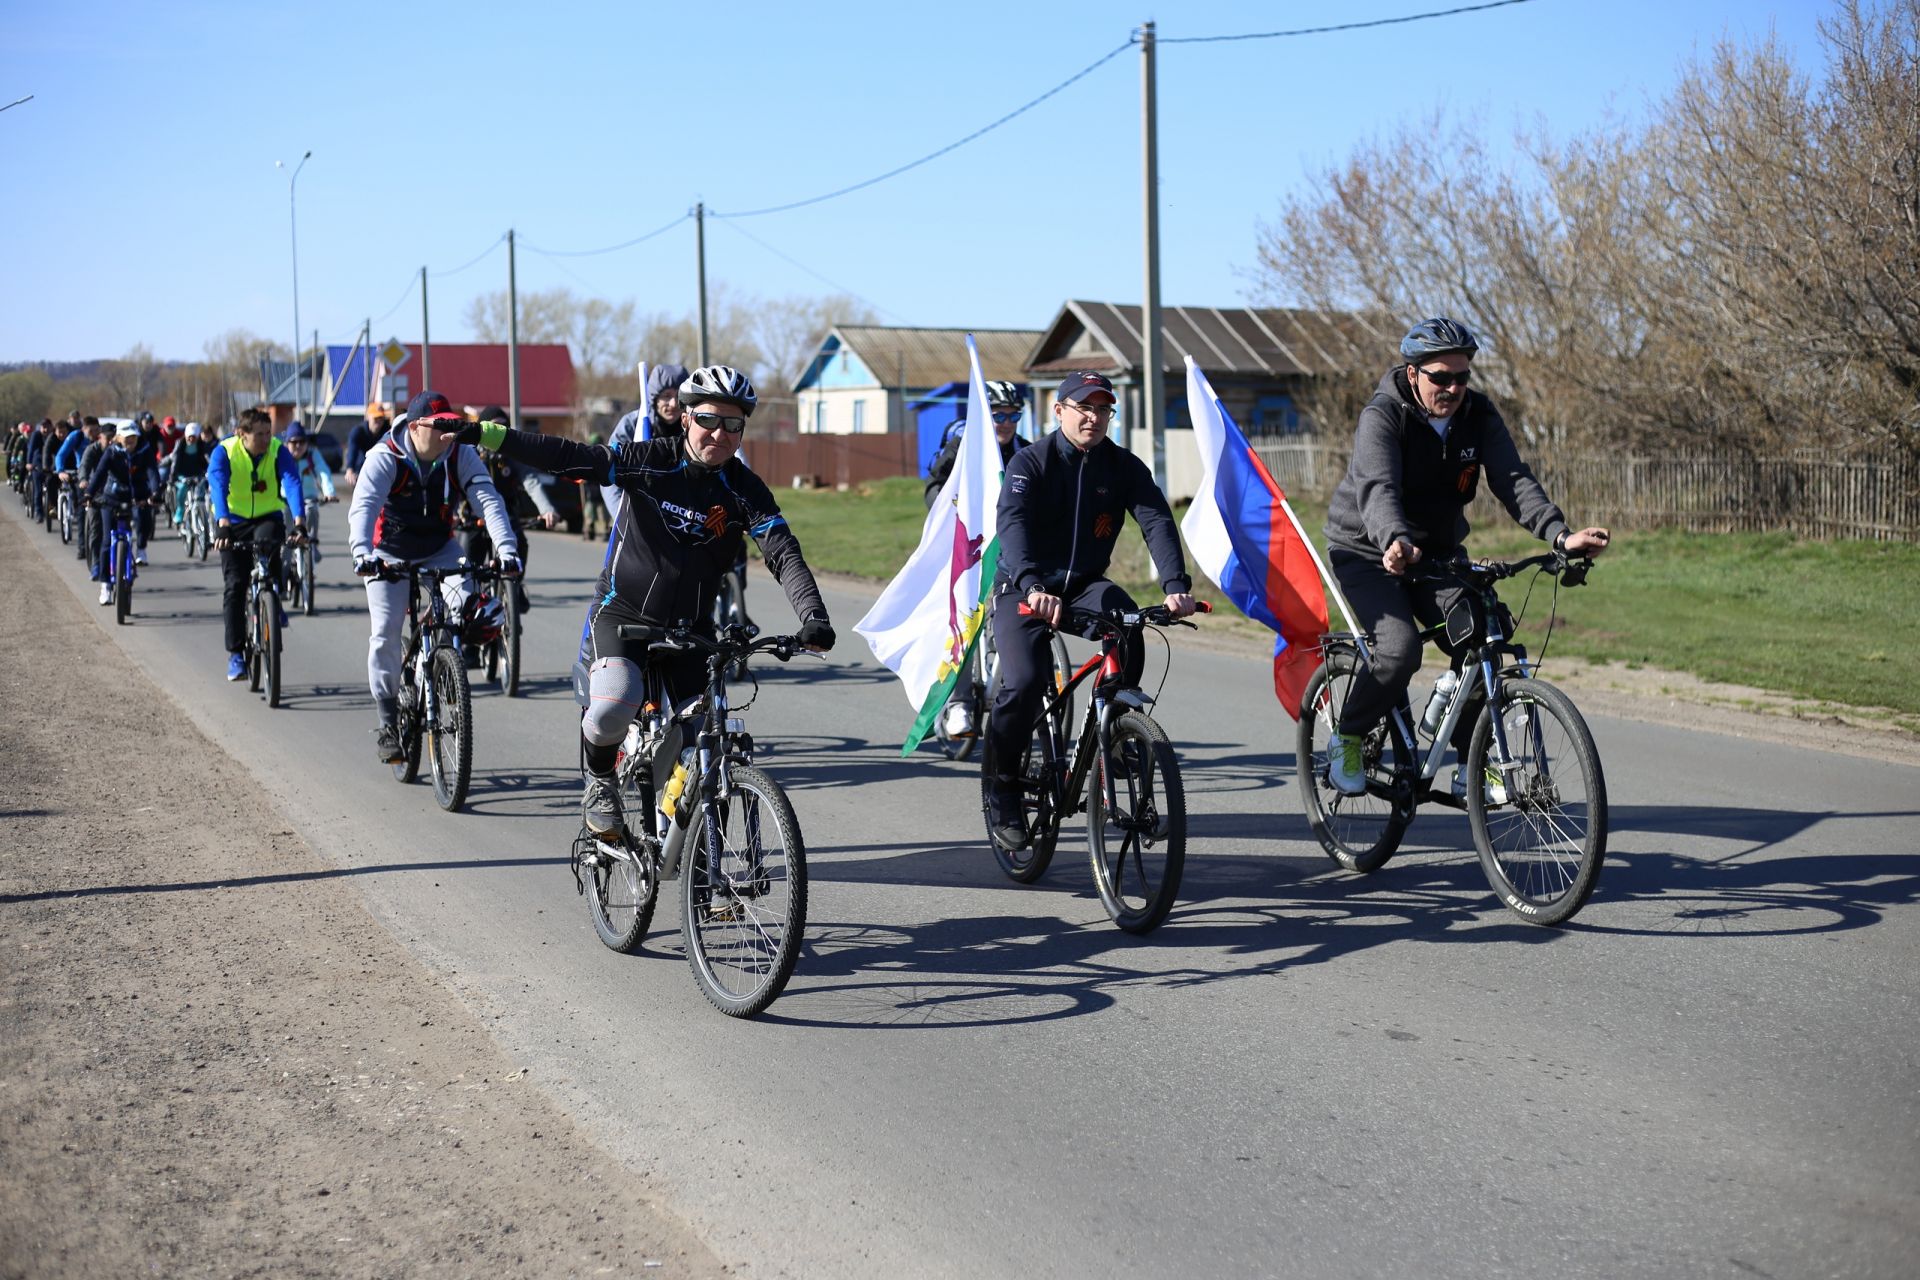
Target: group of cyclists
[(681, 503)]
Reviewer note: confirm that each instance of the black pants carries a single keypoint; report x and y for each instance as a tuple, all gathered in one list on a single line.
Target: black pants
[(477, 544), (1026, 656), (247, 539), (1392, 611)]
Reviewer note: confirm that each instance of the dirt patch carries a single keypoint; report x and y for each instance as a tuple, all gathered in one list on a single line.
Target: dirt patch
[(212, 1058)]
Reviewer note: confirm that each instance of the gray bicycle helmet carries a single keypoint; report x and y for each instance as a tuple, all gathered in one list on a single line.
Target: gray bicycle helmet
[(1005, 393), (722, 383), (1437, 337)]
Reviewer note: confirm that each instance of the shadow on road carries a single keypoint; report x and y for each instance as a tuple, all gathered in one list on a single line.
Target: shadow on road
[(285, 877)]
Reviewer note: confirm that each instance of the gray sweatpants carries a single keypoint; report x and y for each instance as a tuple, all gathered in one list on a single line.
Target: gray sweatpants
[(387, 610)]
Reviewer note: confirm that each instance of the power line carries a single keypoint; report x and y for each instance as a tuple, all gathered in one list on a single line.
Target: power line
[(612, 248), (1344, 26), (441, 275), (405, 293), (935, 155), (728, 219)]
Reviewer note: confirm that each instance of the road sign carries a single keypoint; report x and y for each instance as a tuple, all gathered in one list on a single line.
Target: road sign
[(393, 355)]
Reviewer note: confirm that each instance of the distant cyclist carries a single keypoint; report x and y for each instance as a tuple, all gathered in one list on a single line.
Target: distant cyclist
[(185, 465), (404, 505), (513, 481), (115, 480), (316, 478), (1423, 442), (1006, 402), (253, 485)]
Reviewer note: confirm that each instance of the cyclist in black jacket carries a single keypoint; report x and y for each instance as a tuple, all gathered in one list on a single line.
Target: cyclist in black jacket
[(1061, 507), (688, 505)]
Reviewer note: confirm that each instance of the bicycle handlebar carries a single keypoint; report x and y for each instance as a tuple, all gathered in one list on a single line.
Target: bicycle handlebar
[(1571, 569), (782, 647), (402, 571), (1154, 615)]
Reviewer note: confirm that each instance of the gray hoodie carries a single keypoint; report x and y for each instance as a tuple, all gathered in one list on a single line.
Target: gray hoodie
[(1405, 482)]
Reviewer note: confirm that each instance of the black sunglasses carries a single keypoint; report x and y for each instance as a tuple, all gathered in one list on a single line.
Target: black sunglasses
[(728, 423), (1007, 417), (1445, 379)]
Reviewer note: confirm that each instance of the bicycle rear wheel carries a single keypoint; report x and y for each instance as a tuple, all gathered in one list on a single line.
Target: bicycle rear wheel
[(621, 893), (1358, 832), (1139, 846), (1037, 805), (1541, 828), (744, 900), (451, 734)]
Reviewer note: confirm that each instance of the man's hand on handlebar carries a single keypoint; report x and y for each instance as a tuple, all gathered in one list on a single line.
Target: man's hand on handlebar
[(1046, 607), (816, 633), (1587, 542), (1400, 557), (1180, 604), (220, 539)]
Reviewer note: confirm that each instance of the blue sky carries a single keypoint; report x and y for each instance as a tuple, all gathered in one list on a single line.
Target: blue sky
[(142, 203)]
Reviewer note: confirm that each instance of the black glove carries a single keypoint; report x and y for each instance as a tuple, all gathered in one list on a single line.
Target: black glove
[(468, 433), (817, 633), (510, 568), (366, 568)]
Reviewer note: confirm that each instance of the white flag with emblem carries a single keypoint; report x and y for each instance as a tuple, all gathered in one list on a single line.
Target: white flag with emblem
[(925, 624)]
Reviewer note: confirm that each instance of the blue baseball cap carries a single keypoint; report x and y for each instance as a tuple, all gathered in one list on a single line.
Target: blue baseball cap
[(1078, 386), (295, 431), (431, 405)]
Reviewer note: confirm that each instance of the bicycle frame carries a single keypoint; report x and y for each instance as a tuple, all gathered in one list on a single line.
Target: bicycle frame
[(1095, 723), (120, 536)]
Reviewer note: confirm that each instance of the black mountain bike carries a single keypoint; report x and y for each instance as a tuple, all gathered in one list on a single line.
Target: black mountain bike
[(436, 703), (1119, 766), (743, 884), (1534, 793), (263, 639)]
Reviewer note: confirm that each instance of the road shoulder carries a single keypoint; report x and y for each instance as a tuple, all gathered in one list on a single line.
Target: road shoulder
[(212, 1057)]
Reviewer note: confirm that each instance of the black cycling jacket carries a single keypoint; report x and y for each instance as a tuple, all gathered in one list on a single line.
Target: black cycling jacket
[(1061, 511), (681, 527)]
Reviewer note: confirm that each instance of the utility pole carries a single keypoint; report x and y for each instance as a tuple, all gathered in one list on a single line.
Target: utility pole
[(313, 386), (293, 241), (1152, 392), (700, 248), (426, 343), (513, 338)]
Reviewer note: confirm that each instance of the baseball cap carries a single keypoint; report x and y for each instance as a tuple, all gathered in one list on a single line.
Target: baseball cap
[(430, 405), (170, 422), (1078, 386), (295, 431), (193, 428)]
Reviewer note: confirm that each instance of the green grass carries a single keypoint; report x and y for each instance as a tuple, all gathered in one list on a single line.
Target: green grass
[(1833, 621)]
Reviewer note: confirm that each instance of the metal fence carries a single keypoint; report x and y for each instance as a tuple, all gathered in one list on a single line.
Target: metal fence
[(1814, 495)]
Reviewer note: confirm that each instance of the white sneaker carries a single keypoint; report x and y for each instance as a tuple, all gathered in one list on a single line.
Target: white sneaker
[(957, 720), (139, 557), (106, 593), (1496, 785), (1346, 765)]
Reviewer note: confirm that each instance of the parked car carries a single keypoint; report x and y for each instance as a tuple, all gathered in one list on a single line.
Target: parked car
[(328, 448)]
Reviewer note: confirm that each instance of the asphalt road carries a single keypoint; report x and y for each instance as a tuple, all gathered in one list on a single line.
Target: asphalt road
[(1712, 1072)]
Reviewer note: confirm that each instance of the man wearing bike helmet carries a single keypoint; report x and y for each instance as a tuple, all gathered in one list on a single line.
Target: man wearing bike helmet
[(1422, 445), (114, 479), (686, 507), (1061, 508), (411, 484)]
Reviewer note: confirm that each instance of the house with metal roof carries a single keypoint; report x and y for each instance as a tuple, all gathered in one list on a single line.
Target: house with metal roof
[(875, 379), (470, 374), (1256, 359)]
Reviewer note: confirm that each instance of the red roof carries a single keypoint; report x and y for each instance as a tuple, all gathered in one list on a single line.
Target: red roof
[(476, 374)]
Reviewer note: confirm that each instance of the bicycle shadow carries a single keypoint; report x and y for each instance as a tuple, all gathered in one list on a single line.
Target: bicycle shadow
[(524, 793), (325, 697), (278, 878)]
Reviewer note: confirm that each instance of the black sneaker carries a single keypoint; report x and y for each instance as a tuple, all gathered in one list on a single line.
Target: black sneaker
[(386, 744), (1005, 819), (600, 806)]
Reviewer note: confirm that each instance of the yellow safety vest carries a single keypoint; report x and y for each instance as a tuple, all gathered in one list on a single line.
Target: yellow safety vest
[(247, 497)]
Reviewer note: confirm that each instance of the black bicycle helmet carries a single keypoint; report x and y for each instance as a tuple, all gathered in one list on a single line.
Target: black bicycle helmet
[(721, 383), (1005, 394), (1437, 337)]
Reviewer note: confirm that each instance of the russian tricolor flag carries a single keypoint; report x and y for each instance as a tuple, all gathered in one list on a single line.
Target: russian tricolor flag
[(1244, 536)]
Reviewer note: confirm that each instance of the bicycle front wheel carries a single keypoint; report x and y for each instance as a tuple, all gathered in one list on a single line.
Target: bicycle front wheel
[(744, 894), (66, 519), (1539, 826), (510, 651), (306, 581), (1139, 844), (122, 584), (451, 733), (1358, 832), (270, 646)]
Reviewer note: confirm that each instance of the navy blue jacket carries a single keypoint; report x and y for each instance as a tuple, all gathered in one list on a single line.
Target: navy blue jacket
[(1061, 511)]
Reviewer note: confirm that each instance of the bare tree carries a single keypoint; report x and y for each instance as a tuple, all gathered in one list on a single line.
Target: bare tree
[(787, 332)]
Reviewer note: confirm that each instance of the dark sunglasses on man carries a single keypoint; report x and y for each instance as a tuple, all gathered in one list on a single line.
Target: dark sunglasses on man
[(1007, 417), (1444, 379), (732, 424)]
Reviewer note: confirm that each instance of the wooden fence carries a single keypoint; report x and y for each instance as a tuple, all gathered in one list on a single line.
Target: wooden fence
[(1807, 493)]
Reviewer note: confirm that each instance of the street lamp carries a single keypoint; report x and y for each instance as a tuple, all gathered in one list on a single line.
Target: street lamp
[(293, 238)]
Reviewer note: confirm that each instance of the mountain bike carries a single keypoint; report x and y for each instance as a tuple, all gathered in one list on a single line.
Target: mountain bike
[(1119, 766), (985, 661), (263, 639), (743, 893), (435, 700), (502, 653), (121, 569), (299, 567), (1535, 797)]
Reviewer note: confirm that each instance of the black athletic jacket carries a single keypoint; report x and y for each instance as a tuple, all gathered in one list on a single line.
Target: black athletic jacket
[(1061, 511), (681, 528)]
